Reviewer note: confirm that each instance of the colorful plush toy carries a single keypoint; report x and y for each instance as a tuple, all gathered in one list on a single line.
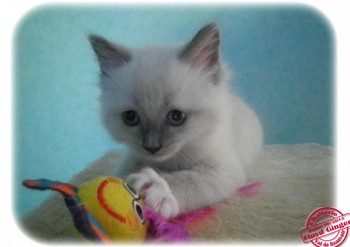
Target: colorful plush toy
[(107, 209)]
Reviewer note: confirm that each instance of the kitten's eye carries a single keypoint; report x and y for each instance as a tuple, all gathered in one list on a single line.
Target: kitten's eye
[(131, 118), (176, 117)]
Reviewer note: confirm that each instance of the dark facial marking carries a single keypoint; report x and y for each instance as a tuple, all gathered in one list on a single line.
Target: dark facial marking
[(152, 139)]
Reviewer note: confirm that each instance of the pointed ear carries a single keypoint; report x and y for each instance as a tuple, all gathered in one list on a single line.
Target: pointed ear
[(203, 49), (109, 55)]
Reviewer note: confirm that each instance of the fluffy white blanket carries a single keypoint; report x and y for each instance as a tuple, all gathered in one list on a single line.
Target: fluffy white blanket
[(296, 180)]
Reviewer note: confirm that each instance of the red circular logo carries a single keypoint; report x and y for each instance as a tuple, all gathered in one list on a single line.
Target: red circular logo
[(326, 227)]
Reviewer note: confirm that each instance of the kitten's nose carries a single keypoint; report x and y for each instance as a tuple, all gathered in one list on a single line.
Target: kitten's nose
[(152, 149), (151, 141)]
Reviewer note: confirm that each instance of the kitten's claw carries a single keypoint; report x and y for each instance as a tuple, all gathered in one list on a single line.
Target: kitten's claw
[(155, 191)]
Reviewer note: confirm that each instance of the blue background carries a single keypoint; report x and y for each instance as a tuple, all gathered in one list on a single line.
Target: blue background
[(281, 58)]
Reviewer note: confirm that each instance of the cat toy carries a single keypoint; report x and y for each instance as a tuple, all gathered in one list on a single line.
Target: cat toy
[(107, 209)]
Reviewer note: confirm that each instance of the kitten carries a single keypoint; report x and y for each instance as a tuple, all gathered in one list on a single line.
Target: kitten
[(189, 137)]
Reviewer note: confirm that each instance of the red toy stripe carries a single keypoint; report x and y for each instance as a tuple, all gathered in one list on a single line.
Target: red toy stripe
[(67, 190), (103, 237), (104, 204), (31, 183)]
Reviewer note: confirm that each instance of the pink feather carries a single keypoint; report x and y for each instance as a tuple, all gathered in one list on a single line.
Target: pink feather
[(250, 189)]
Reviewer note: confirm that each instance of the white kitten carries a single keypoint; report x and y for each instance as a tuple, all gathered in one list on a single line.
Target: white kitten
[(190, 138)]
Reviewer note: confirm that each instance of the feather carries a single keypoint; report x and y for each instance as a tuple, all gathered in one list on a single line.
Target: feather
[(162, 230)]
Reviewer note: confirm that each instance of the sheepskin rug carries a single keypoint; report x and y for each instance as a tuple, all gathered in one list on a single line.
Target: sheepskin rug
[(296, 179)]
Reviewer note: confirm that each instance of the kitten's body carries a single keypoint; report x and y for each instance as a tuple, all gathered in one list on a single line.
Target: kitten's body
[(202, 160)]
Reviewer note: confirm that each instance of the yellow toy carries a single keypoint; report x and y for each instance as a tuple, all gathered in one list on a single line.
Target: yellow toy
[(104, 209)]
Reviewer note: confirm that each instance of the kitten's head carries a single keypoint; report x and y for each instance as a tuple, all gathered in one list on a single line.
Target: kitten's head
[(156, 100)]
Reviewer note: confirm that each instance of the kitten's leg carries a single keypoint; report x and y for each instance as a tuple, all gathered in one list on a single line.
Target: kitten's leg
[(203, 186), (186, 190)]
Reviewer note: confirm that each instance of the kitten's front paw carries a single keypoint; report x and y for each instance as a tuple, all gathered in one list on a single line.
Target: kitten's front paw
[(155, 191)]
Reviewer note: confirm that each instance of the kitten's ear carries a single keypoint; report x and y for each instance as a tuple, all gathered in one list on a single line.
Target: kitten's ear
[(203, 49), (109, 55)]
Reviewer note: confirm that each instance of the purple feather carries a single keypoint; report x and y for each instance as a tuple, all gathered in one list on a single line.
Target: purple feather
[(162, 230)]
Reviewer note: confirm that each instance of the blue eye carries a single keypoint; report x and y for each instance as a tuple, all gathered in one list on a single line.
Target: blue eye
[(176, 117), (131, 118)]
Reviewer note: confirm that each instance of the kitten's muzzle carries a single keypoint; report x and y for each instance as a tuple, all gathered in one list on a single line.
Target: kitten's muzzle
[(152, 141)]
